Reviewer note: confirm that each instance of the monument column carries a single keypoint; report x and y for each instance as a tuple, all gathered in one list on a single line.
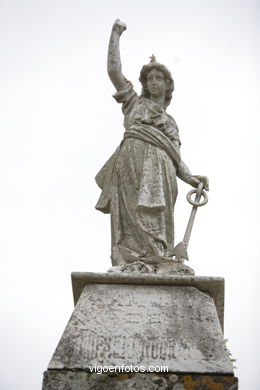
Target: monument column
[(148, 323)]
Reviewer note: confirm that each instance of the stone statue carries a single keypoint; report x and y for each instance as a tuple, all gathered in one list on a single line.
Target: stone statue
[(138, 182)]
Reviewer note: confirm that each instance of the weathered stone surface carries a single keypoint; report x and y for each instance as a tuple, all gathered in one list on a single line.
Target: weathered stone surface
[(69, 380), (144, 325), (213, 286), (139, 181)]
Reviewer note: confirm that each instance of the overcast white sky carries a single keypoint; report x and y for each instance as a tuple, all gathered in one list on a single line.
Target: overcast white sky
[(59, 124)]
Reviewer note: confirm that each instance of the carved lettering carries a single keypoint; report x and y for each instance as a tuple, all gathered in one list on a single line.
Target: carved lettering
[(122, 347)]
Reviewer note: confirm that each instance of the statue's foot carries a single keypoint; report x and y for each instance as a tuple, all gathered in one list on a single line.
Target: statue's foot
[(135, 267), (166, 266)]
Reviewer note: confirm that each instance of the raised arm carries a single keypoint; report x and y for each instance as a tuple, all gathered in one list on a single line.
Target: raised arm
[(114, 67)]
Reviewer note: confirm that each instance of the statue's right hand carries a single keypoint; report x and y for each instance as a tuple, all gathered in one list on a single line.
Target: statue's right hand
[(119, 26)]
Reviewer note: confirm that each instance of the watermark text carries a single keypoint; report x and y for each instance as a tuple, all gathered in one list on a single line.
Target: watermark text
[(98, 369)]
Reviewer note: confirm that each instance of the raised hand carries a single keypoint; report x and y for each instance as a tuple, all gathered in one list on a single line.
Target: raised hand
[(119, 27)]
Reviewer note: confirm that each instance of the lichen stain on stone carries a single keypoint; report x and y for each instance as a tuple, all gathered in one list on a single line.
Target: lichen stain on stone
[(122, 377), (206, 383), (211, 384), (190, 384), (229, 379)]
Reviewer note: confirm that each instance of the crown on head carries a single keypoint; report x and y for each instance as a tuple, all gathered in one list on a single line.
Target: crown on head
[(153, 58)]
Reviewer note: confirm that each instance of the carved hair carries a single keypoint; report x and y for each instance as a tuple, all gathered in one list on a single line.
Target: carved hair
[(167, 75)]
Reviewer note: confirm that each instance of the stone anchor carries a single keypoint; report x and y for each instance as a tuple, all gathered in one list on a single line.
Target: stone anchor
[(180, 250)]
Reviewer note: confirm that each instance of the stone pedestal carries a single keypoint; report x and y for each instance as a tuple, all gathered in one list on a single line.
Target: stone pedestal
[(145, 332)]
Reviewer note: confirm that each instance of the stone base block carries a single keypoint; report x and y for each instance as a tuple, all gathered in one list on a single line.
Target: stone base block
[(80, 380), (170, 323), (167, 322)]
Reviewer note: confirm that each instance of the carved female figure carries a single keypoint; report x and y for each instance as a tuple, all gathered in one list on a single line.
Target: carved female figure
[(138, 182)]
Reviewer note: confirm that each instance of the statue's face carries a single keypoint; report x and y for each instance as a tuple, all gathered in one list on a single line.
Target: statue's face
[(156, 83)]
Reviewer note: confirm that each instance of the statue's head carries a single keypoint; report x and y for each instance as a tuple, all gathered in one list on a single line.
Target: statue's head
[(146, 69)]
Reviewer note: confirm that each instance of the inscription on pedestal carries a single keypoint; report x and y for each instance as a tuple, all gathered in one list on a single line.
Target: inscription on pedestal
[(174, 326)]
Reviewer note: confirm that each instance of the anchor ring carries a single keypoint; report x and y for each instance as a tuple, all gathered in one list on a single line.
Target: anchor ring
[(193, 202)]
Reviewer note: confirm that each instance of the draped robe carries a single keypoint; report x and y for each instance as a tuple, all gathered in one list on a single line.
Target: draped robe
[(138, 182)]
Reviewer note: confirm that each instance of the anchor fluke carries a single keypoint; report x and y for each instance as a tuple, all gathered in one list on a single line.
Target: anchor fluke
[(180, 251)]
